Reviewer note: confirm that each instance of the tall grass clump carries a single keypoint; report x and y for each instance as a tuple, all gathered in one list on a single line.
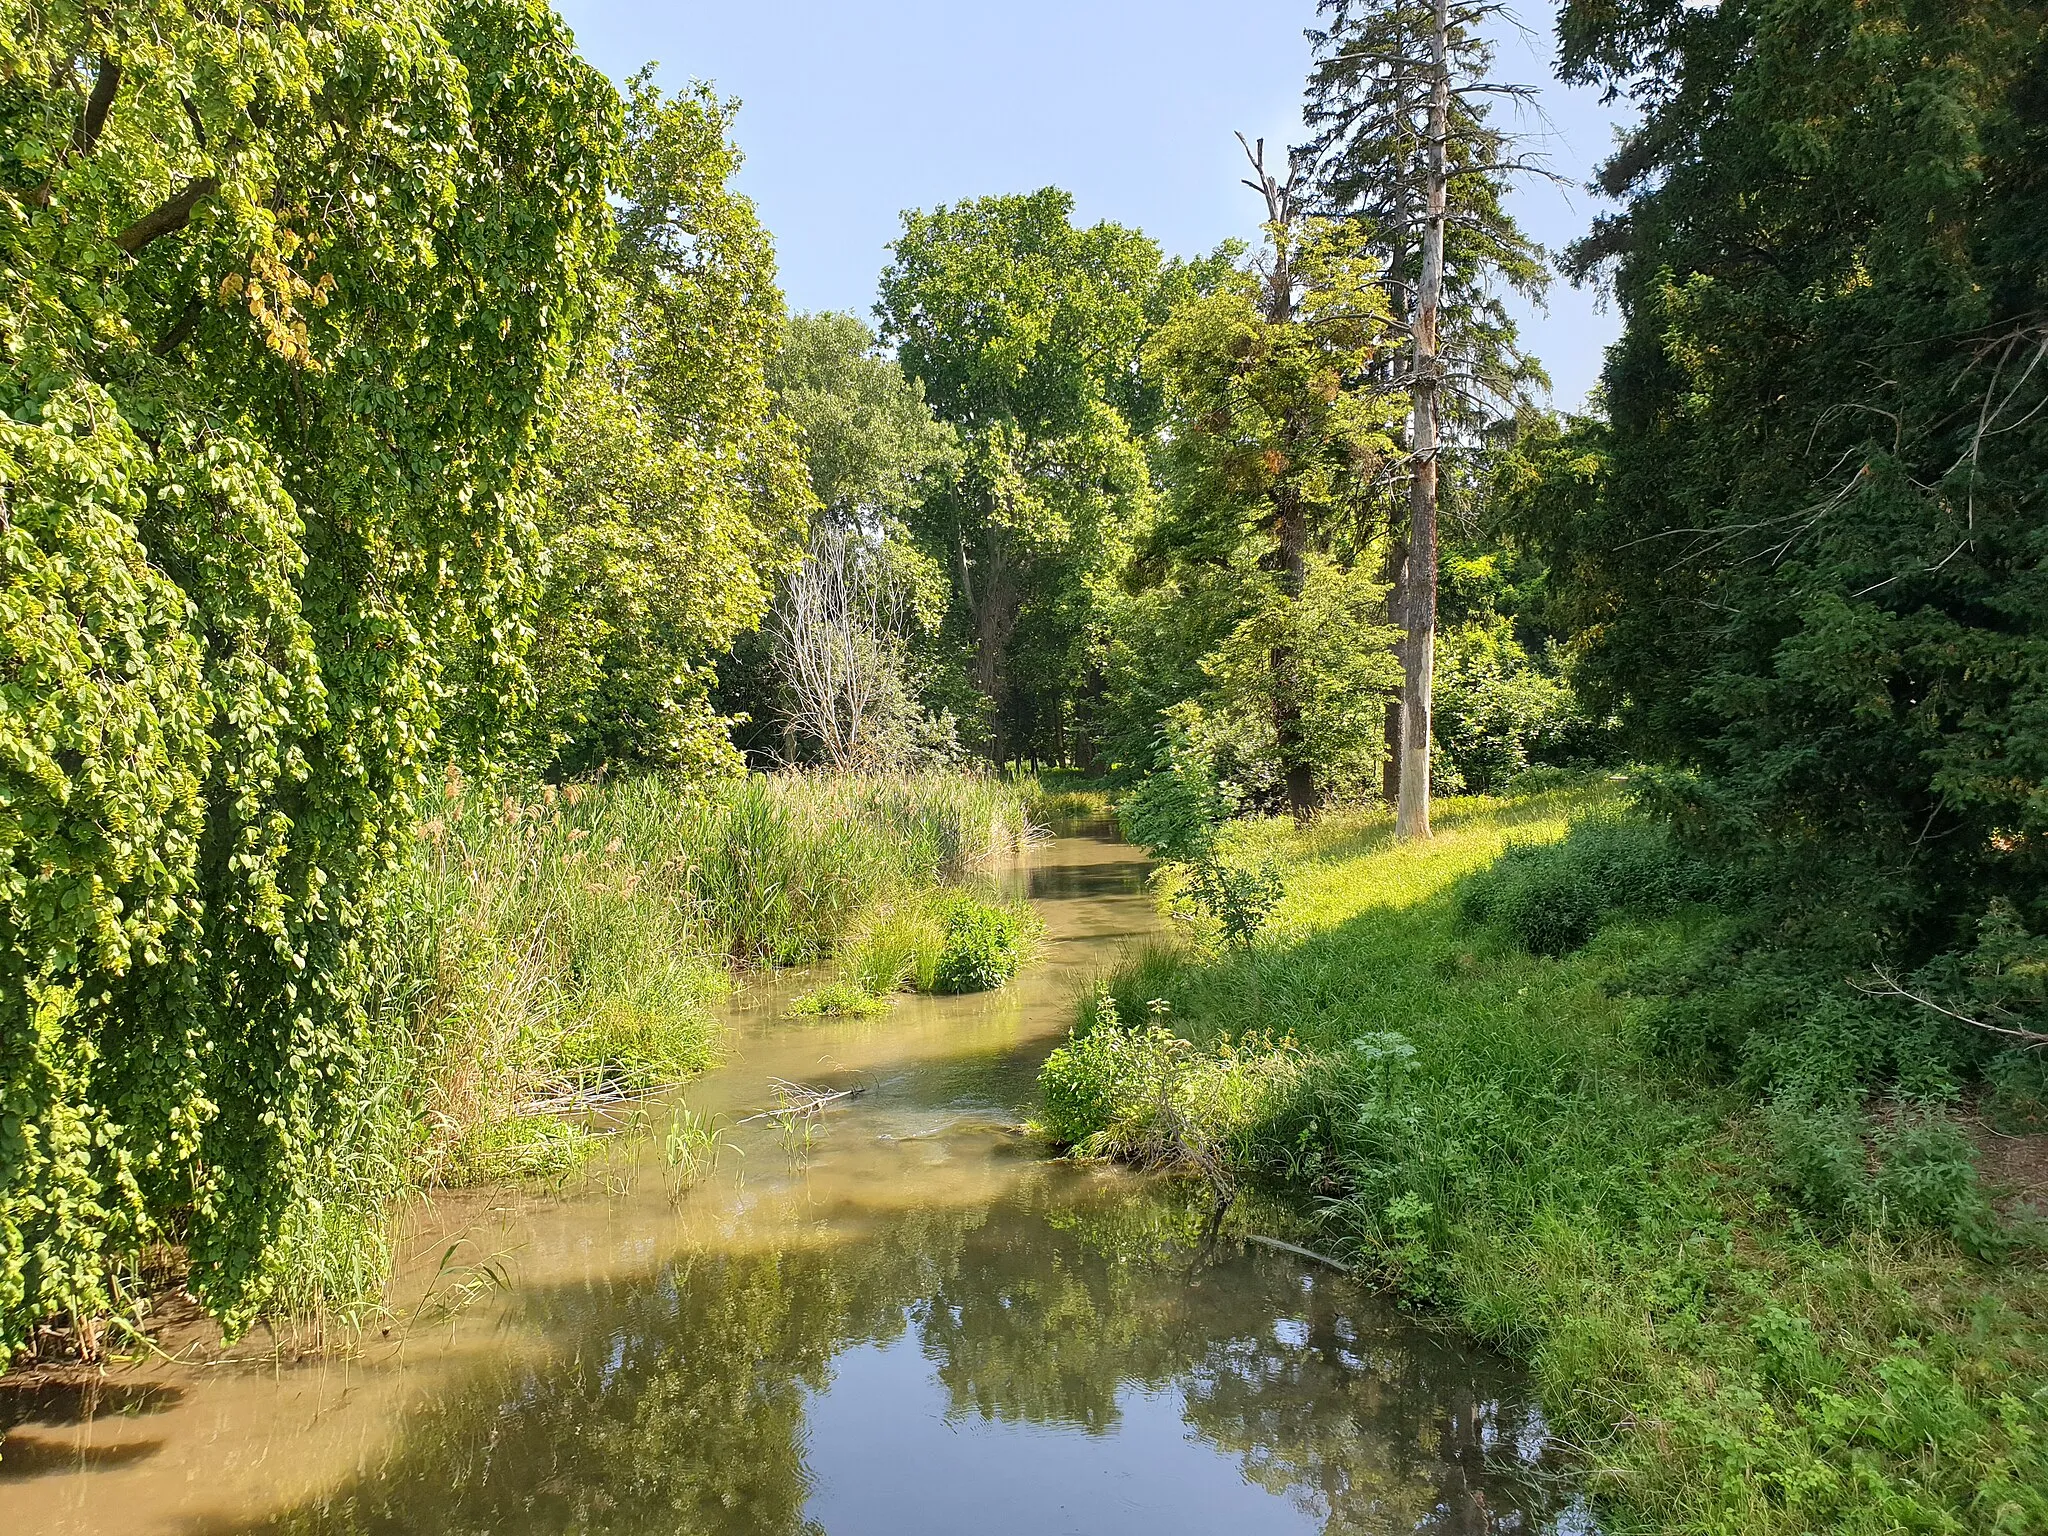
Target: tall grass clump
[(945, 941)]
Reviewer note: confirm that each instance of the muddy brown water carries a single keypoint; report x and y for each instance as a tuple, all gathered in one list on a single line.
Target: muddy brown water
[(908, 1321)]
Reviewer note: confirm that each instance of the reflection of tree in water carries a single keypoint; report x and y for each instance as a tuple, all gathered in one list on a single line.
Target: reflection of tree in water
[(676, 1404)]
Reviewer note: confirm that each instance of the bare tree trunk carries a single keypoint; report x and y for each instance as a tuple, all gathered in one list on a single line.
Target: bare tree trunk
[(1411, 818), (1397, 616)]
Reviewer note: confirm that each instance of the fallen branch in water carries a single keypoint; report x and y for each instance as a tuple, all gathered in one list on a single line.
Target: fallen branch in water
[(601, 1098), (1298, 1251), (800, 1101)]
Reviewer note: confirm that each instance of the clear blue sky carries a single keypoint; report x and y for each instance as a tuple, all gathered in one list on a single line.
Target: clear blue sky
[(853, 110)]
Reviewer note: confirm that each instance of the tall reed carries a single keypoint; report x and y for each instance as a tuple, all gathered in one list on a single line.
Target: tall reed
[(573, 942)]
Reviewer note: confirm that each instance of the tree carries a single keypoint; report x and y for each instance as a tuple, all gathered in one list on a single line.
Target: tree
[(1404, 144), (675, 497), (1272, 443), (288, 299), (838, 640), (869, 439), (1811, 531), (1025, 333)]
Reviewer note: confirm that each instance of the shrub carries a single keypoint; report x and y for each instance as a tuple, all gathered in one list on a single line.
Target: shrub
[(1180, 814), (1553, 897), (1144, 1094), (1819, 1158), (1928, 1178), (983, 946)]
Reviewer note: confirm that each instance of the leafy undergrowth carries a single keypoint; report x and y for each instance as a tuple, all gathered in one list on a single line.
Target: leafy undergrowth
[(1503, 1134)]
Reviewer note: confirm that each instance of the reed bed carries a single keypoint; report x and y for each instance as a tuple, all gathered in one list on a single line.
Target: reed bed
[(548, 954)]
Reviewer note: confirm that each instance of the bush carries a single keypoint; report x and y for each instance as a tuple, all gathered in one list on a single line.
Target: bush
[(1554, 897), (1819, 1158), (1928, 1178), (1144, 1094), (983, 945)]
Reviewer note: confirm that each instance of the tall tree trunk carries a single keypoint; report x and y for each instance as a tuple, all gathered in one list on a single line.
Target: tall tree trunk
[(1397, 616), (1290, 517), (1289, 737), (1411, 818)]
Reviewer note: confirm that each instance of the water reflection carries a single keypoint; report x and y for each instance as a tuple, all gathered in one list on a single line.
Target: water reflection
[(1064, 1360)]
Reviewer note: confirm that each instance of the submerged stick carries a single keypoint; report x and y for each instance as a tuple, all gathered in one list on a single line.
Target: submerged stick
[(801, 1101), (1298, 1251)]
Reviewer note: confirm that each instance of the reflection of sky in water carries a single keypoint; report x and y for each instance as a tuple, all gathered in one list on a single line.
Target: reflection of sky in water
[(889, 1457)]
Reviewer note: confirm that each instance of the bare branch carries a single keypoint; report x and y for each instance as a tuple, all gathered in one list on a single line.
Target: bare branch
[(1891, 988)]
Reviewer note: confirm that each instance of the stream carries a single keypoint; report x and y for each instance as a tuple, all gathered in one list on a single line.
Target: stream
[(900, 1318)]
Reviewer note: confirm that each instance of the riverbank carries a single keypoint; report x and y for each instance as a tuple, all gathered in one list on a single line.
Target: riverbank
[(1491, 1132), (907, 1283), (548, 960)]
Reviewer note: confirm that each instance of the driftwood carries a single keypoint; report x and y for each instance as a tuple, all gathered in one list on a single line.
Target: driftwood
[(800, 1101), (603, 1099)]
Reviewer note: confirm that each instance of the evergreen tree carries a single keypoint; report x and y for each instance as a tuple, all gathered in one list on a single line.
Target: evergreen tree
[(1814, 545)]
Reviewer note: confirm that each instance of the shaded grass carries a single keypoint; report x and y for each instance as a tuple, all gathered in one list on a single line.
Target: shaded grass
[(1486, 1130)]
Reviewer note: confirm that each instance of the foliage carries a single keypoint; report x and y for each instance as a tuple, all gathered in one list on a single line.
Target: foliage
[(1178, 814), (1140, 1093), (1024, 332), (1812, 544), (675, 495), (1492, 1132), (842, 999), (869, 439), (1272, 444), (981, 945), (1553, 896), (267, 500)]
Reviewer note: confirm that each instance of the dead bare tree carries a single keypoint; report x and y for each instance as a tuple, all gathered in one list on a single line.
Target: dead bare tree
[(1400, 101), (1411, 815), (837, 642)]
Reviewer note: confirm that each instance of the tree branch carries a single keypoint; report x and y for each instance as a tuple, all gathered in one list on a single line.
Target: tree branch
[(167, 217), (1891, 988), (97, 106)]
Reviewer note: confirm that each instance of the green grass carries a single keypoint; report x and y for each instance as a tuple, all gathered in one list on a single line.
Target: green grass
[(941, 939), (578, 939), (1053, 796), (1490, 1132)]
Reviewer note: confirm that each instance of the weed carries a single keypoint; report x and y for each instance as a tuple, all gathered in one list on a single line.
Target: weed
[(983, 944)]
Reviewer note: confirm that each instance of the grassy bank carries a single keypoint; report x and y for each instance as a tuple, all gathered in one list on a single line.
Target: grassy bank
[(573, 943), (1504, 1135)]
